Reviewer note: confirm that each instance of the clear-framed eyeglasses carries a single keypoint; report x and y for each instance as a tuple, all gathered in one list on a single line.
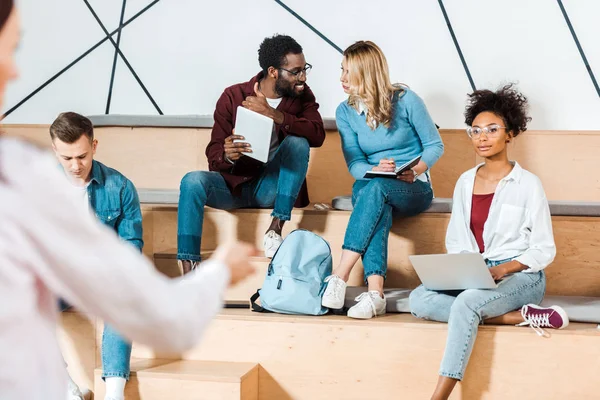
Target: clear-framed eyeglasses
[(490, 131)]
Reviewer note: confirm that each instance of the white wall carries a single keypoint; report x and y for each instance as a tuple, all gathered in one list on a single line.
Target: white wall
[(187, 51)]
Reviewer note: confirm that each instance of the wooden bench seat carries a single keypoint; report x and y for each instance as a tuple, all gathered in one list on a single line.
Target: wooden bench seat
[(575, 271)]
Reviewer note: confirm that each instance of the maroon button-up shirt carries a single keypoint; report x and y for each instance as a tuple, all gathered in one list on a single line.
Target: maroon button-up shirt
[(301, 118)]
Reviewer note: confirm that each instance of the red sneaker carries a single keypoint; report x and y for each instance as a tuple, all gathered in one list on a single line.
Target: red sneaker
[(544, 317)]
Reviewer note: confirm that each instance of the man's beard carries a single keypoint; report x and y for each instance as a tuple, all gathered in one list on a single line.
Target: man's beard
[(284, 88)]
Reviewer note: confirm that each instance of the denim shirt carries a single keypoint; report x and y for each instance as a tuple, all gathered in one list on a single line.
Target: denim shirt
[(115, 201)]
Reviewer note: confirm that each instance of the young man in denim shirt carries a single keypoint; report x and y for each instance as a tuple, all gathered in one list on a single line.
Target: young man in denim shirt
[(114, 200)]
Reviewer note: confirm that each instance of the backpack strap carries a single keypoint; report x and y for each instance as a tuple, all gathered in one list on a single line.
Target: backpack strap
[(256, 307)]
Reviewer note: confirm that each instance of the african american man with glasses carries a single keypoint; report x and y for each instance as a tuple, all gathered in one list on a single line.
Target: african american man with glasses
[(279, 91)]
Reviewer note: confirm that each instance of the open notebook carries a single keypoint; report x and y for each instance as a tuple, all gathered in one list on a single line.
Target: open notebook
[(399, 169)]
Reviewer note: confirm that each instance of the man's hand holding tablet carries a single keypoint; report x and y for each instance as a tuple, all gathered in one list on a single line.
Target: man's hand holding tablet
[(233, 151), (260, 105), (256, 130), (254, 121)]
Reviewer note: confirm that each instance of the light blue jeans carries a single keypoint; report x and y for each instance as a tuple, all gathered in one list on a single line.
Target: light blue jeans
[(278, 186), (116, 354), (116, 351), (375, 201), (465, 310)]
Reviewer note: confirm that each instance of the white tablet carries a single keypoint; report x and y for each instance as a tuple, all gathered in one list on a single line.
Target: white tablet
[(257, 130)]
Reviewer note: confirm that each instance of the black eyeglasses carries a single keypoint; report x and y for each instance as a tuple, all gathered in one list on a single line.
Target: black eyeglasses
[(297, 74)]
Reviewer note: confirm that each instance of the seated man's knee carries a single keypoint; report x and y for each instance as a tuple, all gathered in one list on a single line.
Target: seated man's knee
[(193, 182), (298, 145)]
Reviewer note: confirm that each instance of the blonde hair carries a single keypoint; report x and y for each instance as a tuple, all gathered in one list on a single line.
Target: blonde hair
[(369, 76)]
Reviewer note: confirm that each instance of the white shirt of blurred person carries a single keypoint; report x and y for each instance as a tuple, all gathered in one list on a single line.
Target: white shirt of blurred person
[(47, 237)]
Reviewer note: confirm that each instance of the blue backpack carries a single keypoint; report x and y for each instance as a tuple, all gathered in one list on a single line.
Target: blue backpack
[(294, 281)]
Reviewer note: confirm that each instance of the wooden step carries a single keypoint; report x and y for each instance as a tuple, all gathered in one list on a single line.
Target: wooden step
[(157, 379), (167, 154), (238, 295), (575, 271), (396, 356), (76, 336)]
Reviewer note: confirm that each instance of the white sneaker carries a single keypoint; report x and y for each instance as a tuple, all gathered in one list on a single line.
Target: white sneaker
[(73, 392), (370, 304), (335, 293), (271, 243)]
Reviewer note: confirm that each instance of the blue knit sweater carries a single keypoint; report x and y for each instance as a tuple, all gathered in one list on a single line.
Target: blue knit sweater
[(411, 133)]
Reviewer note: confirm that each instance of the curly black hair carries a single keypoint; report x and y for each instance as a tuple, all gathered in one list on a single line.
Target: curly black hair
[(272, 51), (506, 102)]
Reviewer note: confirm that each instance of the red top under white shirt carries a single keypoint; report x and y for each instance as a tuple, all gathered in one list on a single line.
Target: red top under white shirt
[(479, 214), (519, 225)]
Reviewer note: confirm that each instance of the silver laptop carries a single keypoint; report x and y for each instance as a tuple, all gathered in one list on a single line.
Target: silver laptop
[(454, 271)]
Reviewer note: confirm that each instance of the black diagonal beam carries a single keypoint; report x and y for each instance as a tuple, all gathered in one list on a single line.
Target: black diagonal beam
[(309, 26), (120, 53), (114, 66), (75, 61), (460, 53), (581, 52)]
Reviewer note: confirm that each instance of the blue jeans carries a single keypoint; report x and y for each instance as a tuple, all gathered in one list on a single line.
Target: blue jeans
[(374, 203), (116, 354), (116, 351), (466, 310), (277, 186)]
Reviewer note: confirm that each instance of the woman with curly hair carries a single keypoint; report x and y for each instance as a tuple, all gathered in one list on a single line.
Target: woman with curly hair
[(380, 125), (499, 210)]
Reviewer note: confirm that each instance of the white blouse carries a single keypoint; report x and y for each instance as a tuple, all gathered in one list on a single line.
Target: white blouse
[(518, 225)]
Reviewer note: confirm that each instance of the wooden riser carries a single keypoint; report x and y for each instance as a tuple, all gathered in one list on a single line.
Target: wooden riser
[(165, 155), (236, 295), (575, 272), (249, 226), (187, 380), (77, 340), (397, 356)]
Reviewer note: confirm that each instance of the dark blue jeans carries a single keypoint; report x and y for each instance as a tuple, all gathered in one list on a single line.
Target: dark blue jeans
[(375, 201), (116, 351), (277, 186)]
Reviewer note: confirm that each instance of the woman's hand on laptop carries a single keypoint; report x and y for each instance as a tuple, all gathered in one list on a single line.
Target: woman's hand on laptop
[(499, 271), (233, 151)]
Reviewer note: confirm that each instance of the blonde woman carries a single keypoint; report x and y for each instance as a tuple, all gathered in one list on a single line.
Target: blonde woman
[(381, 125)]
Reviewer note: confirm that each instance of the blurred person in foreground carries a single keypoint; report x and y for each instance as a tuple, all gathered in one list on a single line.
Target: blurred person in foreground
[(51, 246)]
